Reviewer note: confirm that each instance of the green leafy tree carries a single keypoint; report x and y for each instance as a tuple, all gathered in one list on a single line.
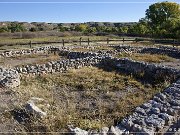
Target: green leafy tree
[(61, 28), (171, 27), (141, 28), (159, 13), (176, 30), (108, 29), (163, 19), (81, 27), (91, 29), (132, 30), (123, 29), (114, 29), (33, 29), (16, 27), (100, 28), (4, 29)]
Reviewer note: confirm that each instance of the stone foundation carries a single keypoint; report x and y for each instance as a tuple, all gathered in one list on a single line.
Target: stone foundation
[(154, 116)]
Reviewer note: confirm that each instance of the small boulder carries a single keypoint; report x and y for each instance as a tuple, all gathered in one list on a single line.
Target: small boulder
[(104, 130), (37, 106), (77, 131), (114, 130)]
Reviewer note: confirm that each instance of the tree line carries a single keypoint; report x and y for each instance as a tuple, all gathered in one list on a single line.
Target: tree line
[(161, 20)]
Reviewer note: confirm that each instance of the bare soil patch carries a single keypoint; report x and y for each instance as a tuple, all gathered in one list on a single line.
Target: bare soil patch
[(29, 59)]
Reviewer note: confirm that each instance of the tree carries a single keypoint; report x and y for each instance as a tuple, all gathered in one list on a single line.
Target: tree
[(108, 29), (91, 29), (101, 28), (176, 31), (159, 13), (81, 27), (4, 29), (33, 29), (163, 17), (141, 28), (123, 30), (62, 29), (16, 27)]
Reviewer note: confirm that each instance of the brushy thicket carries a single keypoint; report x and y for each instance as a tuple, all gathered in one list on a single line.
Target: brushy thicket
[(162, 20)]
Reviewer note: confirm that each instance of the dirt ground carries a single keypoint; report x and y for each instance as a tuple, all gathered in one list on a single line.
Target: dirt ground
[(28, 59), (174, 64)]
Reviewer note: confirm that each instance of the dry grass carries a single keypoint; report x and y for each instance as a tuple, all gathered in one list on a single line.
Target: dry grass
[(104, 47), (142, 43), (4, 41), (89, 98), (49, 38), (81, 49), (95, 48), (40, 58), (151, 58), (29, 59)]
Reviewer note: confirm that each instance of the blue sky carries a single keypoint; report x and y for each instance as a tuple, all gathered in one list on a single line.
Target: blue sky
[(82, 11)]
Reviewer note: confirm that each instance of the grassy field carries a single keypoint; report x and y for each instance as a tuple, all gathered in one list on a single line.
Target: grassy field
[(89, 98), (50, 39), (6, 41)]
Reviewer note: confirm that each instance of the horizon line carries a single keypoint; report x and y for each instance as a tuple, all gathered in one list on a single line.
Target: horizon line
[(71, 22), (77, 2)]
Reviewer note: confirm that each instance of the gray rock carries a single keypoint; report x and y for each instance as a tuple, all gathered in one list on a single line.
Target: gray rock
[(136, 128), (140, 110), (77, 131), (127, 122), (155, 121), (162, 96), (35, 106), (9, 78), (166, 117), (171, 111), (155, 110), (104, 131), (146, 131), (146, 106), (175, 102), (114, 130)]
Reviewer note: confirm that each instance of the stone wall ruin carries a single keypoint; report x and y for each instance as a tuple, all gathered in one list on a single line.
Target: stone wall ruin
[(153, 116)]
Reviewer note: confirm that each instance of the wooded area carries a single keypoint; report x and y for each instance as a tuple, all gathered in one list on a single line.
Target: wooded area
[(162, 20)]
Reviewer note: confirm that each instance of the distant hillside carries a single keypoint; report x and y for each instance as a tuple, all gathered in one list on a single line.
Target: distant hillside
[(94, 24), (52, 26)]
